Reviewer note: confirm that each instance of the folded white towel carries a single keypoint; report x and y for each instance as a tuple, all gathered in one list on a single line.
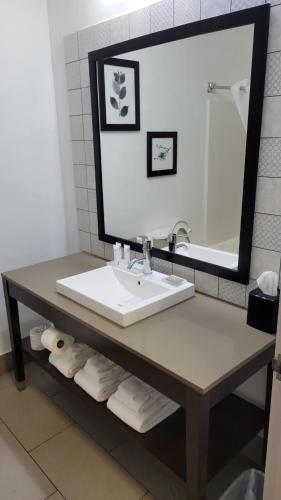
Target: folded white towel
[(100, 364), (140, 397), (98, 391), (141, 423), (72, 360), (94, 365)]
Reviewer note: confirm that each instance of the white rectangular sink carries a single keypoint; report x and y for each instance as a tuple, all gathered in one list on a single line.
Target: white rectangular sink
[(123, 296), (211, 255)]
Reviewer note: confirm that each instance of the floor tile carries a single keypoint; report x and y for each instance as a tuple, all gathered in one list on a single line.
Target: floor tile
[(141, 465), (56, 496), (90, 422), (20, 477), (39, 419), (82, 470)]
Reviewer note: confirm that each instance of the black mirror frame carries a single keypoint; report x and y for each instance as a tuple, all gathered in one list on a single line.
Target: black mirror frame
[(259, 17)]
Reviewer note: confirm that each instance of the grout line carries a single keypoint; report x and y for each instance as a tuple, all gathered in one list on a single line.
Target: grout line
[(39, 467), (51, 437)]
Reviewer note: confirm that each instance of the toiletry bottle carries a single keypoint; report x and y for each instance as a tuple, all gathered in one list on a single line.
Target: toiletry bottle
[(116, 255), (127, 254)]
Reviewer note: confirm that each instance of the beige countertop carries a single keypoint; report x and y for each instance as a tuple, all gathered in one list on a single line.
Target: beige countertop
[(199, 341)]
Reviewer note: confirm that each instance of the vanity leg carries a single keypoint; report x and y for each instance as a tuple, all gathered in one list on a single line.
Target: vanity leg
[(197, 437), (15, 336), (267, 409)]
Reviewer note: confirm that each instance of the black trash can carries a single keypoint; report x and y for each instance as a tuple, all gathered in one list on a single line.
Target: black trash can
[(248, 486)]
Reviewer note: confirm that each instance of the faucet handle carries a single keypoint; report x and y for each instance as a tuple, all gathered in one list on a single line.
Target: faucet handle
[(146, 246)]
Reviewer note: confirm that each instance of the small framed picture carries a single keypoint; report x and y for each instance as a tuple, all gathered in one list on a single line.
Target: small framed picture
[(161, 153), (119, 94)]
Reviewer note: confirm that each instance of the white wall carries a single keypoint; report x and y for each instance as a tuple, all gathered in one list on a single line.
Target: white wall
[(32, 221), (65, 17)]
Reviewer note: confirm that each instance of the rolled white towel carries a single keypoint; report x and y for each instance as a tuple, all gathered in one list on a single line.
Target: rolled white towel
[(141, 423), (67, 363), (92, 368), (139, 396), (99, 391)]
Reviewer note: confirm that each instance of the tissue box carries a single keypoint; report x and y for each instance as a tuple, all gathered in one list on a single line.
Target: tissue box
[(263, 311)]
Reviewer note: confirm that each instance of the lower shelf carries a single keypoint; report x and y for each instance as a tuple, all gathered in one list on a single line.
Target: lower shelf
[(233, 423)]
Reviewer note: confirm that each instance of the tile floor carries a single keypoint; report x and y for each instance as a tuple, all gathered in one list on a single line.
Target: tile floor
[(52, 447)]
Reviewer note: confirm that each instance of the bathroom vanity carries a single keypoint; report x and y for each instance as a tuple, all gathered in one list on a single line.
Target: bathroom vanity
[(196, 353)]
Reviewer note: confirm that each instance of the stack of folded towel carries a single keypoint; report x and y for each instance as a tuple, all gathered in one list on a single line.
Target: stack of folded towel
[(100, 377), (139, 405), (72, 359)]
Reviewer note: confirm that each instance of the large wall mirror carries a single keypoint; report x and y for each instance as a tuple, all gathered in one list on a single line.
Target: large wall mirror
[(176, 120)]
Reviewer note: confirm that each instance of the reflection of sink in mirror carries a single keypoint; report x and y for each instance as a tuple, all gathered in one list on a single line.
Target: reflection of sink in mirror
[(124, 296), (211, 255)]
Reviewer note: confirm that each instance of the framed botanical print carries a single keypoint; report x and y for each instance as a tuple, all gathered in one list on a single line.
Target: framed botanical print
[(119, 99), (161, 153)]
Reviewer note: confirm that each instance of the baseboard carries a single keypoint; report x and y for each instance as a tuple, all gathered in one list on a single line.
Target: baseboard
[(5, 363)]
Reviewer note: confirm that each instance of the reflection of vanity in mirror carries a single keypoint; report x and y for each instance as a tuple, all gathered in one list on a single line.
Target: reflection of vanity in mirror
[(177, 120)]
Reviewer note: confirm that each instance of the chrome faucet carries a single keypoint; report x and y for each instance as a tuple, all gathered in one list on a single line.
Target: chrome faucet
[(145, 260)]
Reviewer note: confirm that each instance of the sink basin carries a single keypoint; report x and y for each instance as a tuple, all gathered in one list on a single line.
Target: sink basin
[(124, 296), (211, 255)]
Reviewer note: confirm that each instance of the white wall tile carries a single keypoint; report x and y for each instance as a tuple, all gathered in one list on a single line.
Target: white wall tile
[(206, 283), (92, 200), (86, 101), (88, 129), (83, 219), (91, 179), (119, 29), (268, 195), (71, 48), (162, 266), (263, 260), (89, 153), (270, 157), (161, 15), (97, 246), (267, 232), (85, 41), (102, 35), (273, 74), (139, 22), (232, 292), (84, 73), (80, 176), (84, 241), (274, 39), (73, 75), (184, 272), (75, 102), (245, 4), (78, 152), (93, 223), (76, 128), (81, 198), (271, 123), (186, 11), (211, 8)]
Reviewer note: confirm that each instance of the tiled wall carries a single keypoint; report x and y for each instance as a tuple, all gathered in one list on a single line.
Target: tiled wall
[(266, 250)]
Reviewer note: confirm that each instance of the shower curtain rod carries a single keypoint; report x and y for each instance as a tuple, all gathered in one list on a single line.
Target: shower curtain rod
[(213, 86)]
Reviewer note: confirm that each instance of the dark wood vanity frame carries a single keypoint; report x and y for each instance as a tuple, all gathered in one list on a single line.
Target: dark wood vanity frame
[(194, 443), (259, 16)]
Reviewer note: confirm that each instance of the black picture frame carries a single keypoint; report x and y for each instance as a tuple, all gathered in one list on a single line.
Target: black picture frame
[(259, 17), (122, 63), (151, 172)]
